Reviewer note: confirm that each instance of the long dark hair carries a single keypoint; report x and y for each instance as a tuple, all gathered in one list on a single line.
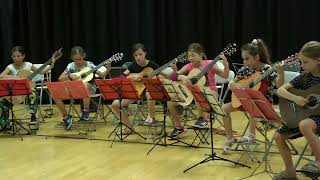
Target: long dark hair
[(138, 46), (258, 47), (19, 49), (78, 50), (198, 48)]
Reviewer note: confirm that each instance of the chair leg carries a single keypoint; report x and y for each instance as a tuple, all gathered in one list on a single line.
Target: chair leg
[(301, 155)]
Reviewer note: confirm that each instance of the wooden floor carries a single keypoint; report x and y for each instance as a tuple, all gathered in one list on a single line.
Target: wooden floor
[(55, 154)]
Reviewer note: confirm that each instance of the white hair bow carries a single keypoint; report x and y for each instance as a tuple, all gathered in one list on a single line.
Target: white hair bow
[(254, 41)]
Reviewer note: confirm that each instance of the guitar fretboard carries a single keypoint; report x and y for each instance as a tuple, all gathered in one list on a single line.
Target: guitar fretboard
[(195, 79), (31, 76)]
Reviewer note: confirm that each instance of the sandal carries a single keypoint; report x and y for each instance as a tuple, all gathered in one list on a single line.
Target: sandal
[(282, 175), (249, 139), (126, 131), (148, 121), (312, 167), (228, 145)]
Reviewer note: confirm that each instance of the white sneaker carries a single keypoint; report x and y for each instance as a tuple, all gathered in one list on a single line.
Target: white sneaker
[(228, 145), (149, 120)]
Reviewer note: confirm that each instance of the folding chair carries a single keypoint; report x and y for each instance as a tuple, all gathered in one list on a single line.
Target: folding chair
[(237, 67), (221, 84), (302, 155), (259, 107), (40, 80), (289, 75), (250, 107)]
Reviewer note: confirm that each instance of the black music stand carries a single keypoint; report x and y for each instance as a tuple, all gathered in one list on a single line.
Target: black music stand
[(112, 89), (158, 92), (174, 97), (211, 105), (15, 87), (255, 103), (68, 90)]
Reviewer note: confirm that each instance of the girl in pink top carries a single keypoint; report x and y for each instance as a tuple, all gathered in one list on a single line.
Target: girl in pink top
[(197, 58), (211, 82)]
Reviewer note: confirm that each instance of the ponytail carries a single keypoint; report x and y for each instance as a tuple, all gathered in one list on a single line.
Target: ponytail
[(258, 47)]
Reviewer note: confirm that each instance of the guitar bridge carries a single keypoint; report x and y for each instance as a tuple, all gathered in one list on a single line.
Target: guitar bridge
[(183, 92), (293, 107)]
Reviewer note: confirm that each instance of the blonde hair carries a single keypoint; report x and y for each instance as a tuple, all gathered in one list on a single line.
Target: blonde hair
[(311, 49)]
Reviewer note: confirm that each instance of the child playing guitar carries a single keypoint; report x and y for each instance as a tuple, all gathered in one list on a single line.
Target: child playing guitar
[(256, 58), (197, 58), (136, 71), (14, 71), (309, 127)]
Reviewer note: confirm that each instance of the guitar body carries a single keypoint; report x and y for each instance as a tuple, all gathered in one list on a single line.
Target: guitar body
[(185, 94), (83, 73), (292, 113), (182, 88), (87, 74), (245, 83), (139, 84), (177, 92), (193, 73), (26, 74)]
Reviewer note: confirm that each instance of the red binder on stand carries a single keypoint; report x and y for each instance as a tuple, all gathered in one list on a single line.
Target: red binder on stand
[(112, 89), (11, 88), (157, 91), (213, 107), (247, 103), (256, 104), (263, 104), (117, 88), (68, 90)]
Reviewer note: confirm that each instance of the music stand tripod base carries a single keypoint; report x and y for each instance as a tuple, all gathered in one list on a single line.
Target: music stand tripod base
[(213, 107)]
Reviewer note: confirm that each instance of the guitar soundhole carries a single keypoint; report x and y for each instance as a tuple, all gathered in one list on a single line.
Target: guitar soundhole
[(251, 84), (312, 102), (84, 75)]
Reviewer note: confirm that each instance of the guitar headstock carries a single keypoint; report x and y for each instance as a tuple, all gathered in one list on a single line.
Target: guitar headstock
[(292, 59), (230, 49), (116, 57), (183, 57), (56, 55)]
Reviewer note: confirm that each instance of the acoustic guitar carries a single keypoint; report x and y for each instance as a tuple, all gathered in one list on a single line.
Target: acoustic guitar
[(197, 77), (254, 81), (292, 114), (30, 75), (149, 72), (86, 74)]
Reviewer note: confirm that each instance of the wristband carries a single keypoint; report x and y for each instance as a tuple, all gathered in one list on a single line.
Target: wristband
[(123, 75), (174, 76)]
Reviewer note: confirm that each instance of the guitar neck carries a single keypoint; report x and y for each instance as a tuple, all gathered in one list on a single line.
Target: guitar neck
[(196, 78), (264, 75), (98, 66), (31, 76), (163, 67)]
